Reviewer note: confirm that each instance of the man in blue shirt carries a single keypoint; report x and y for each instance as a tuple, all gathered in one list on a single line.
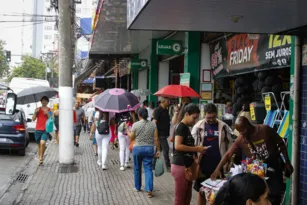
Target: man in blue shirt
[(214, 133)]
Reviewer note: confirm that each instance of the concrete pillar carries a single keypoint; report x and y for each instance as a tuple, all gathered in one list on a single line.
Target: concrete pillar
[(153, 71), (66, 30), (192, 58)]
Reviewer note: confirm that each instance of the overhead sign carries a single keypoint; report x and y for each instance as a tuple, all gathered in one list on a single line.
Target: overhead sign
[(139, 63), (245, 53), (169, 47)]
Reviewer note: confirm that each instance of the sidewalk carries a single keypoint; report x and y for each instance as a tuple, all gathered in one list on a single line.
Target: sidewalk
[(89, 184)]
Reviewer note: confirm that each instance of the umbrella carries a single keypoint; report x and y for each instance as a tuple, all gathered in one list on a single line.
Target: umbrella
[(34, 94), (88, 105), (116, 100), (173, 91), (141, 92)]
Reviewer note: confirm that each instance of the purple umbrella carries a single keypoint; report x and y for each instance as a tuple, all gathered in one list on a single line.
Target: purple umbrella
[(116, 100)]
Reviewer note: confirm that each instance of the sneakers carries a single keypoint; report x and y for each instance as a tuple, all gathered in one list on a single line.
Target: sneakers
[(149, 194), (104, 167), (127, 165), (99, 163), (137, 190), (122, 168)]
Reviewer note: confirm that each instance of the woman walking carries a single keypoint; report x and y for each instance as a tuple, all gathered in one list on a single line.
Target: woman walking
[(41, 136), (56, 122), (124, 142), (145, 134), (184, 153), (101, 118)]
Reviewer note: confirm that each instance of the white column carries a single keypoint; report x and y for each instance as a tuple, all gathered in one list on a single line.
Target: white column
[(66, 135)]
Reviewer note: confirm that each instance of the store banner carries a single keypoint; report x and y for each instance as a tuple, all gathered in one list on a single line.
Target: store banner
[(244, 53), (138, 63), (169, 47)]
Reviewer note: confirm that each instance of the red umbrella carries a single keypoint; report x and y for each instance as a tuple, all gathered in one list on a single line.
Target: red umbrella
[(173, 91)]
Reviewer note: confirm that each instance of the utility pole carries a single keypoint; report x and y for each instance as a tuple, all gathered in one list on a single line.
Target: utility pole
[(66, 144)]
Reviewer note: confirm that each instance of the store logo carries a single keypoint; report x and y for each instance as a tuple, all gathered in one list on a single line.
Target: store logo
[(176, 47), (143, 64)]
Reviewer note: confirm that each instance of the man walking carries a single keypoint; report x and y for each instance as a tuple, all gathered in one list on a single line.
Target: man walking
[(80, 120), (162, 120)]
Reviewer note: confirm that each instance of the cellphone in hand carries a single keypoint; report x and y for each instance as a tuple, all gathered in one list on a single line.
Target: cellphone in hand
[(209, 146)]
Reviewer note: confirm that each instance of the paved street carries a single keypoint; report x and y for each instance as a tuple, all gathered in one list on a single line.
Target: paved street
[(86, 183), (11, 163)]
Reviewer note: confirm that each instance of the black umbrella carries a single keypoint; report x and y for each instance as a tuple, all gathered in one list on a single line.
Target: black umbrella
[(34, 94)]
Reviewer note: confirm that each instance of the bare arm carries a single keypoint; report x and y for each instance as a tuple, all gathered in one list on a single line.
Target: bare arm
[(157, 142), (184, 148), (174, 119)]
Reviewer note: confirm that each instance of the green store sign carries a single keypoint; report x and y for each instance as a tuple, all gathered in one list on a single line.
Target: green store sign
[(169, 47), (139, 63)]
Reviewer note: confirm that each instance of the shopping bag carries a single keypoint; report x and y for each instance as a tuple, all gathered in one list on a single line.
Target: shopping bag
[(159, 169), (49, 125)]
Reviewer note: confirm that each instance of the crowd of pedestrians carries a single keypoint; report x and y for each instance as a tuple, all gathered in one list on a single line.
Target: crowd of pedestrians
[(208, 142)]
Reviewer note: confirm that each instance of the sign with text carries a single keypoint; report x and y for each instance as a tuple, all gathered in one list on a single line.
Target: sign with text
[(245, 53), (169, 47), (138, 63), (185, 79)]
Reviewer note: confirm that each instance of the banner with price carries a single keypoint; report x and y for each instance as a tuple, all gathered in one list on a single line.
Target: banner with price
[(267, 102)]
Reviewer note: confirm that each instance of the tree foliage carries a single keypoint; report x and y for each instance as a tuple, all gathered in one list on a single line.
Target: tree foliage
[(30, 68), (4, 66)]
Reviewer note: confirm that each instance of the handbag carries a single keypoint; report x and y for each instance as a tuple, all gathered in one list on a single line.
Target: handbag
[(193, 172), (159, 168)]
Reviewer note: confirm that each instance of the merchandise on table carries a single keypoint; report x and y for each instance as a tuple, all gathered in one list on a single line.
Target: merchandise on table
[(254, 166)]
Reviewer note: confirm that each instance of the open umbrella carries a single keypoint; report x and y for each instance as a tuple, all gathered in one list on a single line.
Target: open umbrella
[(116, 100), (34, 94), (140, 92), (173, 91)]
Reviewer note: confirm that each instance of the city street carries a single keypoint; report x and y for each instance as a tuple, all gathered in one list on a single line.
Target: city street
[(84, 182), (11, 164)]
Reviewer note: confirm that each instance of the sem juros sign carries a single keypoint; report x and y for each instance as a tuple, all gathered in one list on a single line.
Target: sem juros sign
[(169, 47), (245, 53)]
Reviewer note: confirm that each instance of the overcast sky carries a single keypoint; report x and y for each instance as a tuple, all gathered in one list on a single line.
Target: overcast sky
[(10, 32)]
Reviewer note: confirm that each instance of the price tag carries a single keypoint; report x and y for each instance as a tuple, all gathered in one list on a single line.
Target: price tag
[(267, 102), (252, 112)]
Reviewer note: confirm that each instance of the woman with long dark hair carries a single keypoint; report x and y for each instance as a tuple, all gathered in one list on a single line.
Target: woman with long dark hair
[(243, 189)]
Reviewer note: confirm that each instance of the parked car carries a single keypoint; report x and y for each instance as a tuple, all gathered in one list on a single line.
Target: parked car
[(13, 131)]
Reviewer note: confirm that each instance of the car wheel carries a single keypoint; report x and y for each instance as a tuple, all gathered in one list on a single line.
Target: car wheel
[(22, 152)]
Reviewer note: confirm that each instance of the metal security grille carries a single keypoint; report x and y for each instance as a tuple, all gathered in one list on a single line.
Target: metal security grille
[(22, 178)]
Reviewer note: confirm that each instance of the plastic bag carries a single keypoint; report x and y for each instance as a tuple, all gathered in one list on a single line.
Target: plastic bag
[(49, 125), (159, 169)]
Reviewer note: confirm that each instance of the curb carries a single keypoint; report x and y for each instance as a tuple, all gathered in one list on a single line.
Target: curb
[(13, 179)]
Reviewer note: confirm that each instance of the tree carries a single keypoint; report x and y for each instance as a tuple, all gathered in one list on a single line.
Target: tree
[(4, 66), (30, 68)]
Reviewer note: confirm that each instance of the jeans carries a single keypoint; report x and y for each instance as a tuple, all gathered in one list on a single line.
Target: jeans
[(143, 154), (183, 188), (103, 143), (165, 149), (124, 152)]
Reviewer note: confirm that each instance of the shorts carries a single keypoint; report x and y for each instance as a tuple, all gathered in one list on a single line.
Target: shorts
[(40, 135), (77, 130), (94, 140)]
